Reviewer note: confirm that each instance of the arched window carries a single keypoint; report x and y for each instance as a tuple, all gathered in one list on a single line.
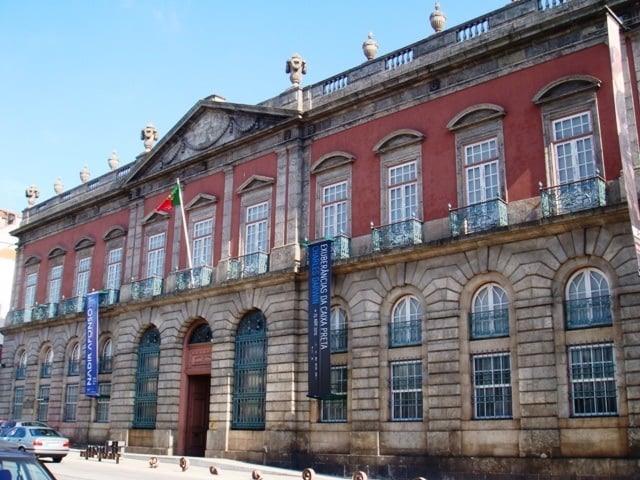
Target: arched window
[(73, 364), (406, 323), (47, 363), (146, 399), (250, 369), (106, 357), (490, 312), (587, 300), (338, 330), (21, 366), (201, 334)]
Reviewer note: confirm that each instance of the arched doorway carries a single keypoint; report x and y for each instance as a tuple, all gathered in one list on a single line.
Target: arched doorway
[(195, 392)]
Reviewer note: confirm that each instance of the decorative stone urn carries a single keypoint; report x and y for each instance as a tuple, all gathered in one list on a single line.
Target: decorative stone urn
[(149, 135), (85, 174), (58, 186), (32, 193), (114, 161), (370, 47), (437, 18), (296, 67)]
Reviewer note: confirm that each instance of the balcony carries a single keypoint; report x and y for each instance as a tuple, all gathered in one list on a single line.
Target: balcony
[(588, 312), (44, 311), (193, 278), (492, 323), (248, 265), (338, 341), (72, 305), (16, 317), (105, 364), (404, 333), (573, 197), (341, 247), (20, 372), (478, 217), (399, 234), (45, 370), (146, 288), (108, 297)]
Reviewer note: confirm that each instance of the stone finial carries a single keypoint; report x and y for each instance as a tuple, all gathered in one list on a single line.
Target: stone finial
[(296, 67), (85, 174), (58, 186), (149, 135), (437, 18), (113, 160), (370, 47), (32, 193)]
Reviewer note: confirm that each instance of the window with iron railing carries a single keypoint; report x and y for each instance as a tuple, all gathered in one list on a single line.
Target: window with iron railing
[(592, 373), (406, 323), (148, 367), (492, 395), (588, 300), (334, 410), (406, 391)]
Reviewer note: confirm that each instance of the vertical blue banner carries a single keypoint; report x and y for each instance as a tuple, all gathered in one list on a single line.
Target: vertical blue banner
[(91, 346), (319, 333)]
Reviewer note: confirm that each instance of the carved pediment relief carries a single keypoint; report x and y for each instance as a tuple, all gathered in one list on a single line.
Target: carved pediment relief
[(84, 242), (114, 233), (56, 252), (565, 86), (210, 124), (155, 216), (474, 115), (32, 260), (332, 160)]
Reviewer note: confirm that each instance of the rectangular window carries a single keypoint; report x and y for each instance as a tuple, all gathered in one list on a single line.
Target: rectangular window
[(102, 402), (492, 386), (481, 167), (155, 256), (406, 391), (573, 146), (592, 372), (71, 403), (334, 209), (84, 274), (203, 243), (403, 192), (335, 409), (18, 401), (256, 228), (30, 290), (114, 269), (43, 403), (55, 284)]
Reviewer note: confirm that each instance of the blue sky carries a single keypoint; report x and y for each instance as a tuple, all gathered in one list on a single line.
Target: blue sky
[(81, 78)]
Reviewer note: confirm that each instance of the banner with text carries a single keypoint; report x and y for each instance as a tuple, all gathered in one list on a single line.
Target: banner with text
[(91, 346), (319, 334)]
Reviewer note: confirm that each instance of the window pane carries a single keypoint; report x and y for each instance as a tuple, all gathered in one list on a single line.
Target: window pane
[(593, 384), (406, 391), (492, 386)]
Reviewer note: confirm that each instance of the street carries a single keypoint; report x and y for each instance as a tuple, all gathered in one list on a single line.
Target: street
[(136, 467)]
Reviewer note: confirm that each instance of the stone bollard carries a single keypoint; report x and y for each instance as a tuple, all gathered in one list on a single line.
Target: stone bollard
[(153, 462), (359, 475), (256, 475), (308, 474), (213, 470), (184, 463)]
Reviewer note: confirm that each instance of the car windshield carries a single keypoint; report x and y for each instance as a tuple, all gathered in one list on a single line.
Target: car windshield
[(23, 470), (44, 432)]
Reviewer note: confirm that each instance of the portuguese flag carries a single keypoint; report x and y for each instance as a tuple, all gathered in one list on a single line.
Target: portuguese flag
[(172, 199)]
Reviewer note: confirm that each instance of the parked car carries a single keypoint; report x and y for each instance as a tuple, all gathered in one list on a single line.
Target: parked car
[(7, 425), (20, 465), (40, 441)]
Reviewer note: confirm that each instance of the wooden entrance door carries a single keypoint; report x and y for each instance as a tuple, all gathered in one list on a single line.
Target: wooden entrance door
[(197, 415)]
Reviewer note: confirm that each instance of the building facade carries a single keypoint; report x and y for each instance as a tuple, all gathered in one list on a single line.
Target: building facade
[(485, 295)]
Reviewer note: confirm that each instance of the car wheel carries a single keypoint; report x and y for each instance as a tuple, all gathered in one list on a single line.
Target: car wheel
[(57, 459)]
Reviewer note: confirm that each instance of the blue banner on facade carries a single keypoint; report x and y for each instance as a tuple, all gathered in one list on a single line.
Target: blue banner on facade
[(320, 319), (91, 346)]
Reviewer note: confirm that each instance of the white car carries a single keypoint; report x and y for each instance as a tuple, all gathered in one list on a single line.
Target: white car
[(40, 441)]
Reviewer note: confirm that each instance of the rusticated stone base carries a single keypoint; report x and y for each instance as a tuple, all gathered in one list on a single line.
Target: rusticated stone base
[(474, 468)]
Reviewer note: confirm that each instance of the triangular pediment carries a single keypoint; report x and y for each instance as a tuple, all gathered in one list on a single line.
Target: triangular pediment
[(255, 182), (155, 216), (201, 200), (209, 126)]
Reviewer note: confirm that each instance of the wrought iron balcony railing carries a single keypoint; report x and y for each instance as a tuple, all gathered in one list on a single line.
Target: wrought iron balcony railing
[(573, 197), (45, 370), (341, 247), (72, 305), (478, 217), (492, 323), (403, 333), (16, 317), (73, 367), (146, 288), (399, 234), (108, 297), (105, 364), (588, 312), (21, 372), (193, 278), (248, 265), (44, 311)]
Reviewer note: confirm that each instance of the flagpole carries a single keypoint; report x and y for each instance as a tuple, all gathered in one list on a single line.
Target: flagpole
[(184, 225)]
